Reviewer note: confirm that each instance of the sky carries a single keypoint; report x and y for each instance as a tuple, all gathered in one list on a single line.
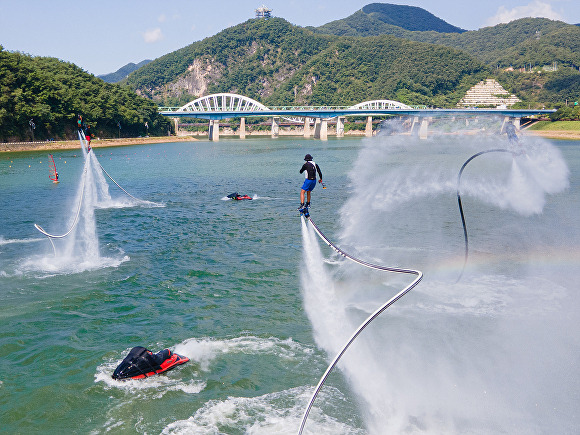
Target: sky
[(101, 36)]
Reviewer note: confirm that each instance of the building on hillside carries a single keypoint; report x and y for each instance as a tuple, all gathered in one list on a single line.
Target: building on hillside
[(488, 93), (263, 12)]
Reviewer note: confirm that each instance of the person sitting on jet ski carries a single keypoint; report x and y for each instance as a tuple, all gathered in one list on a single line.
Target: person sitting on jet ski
[(141, 363), (238, 197)]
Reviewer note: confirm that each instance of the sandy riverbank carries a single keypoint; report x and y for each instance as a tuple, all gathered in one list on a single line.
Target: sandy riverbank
[(96, 143), (101, 143), (552, 134)]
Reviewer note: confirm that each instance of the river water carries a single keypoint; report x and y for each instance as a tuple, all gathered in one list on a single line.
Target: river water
[(227, 283)]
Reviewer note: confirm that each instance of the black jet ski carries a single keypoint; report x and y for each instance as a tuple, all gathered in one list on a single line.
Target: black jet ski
[(141, 363), (236, 196)]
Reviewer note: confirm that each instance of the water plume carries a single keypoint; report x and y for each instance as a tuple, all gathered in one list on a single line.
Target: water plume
[(465, 358), (77, 249)]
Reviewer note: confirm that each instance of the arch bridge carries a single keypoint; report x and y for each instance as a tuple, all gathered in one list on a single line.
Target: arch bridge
[(216, 107)]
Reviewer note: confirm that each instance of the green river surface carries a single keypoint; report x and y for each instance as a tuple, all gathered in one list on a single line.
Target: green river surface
[(227, 284)]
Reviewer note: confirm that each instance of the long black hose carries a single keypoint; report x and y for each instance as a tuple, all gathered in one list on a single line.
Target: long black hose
[(419, 276), (497, 150)]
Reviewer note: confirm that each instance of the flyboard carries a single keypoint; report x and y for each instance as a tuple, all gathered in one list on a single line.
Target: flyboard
[(52, 172), (378, 311)]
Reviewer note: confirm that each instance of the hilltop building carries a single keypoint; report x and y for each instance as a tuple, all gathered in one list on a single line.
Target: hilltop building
[(263, 12), (488, 93)]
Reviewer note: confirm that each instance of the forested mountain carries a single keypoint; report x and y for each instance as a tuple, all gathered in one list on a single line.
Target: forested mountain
[(52, 93), (253, 58), (383, 18), (276, 63), (525, 44), (353, 70), (537, 40), (123, 72)]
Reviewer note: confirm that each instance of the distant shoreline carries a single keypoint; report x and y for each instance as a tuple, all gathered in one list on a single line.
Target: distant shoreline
[(551, 134), (95, 143), (103, 143)]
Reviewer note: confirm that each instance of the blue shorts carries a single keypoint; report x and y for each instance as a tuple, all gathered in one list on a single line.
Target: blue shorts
[(309, 185)]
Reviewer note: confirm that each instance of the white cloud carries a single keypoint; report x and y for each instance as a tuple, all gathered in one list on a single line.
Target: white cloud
[(162, 18), (153, 35), (535, 9)]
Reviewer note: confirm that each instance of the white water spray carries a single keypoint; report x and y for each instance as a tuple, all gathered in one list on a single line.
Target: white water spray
[(77, 249), (448, 358)]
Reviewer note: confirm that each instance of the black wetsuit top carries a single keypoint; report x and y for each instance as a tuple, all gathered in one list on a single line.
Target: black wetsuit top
[(311, 169)]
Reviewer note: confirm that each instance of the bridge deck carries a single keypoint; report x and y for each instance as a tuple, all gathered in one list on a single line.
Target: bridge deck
[(334, 112)]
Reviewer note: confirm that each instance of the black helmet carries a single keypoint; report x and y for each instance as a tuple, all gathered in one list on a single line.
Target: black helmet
[(307, 157)]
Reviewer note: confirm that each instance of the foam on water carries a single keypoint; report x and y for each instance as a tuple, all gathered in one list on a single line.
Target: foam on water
[(205, 351), (273, 413), (4, 241), (277, 412)]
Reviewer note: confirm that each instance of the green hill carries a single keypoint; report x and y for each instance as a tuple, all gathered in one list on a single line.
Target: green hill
[(526, 44), (52, 93), (383, 18), (123, 72), (251, 58), (517, 43), (276, 62), (537, 40)]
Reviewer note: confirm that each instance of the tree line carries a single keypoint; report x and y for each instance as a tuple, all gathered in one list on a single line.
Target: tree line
[(41, 97)]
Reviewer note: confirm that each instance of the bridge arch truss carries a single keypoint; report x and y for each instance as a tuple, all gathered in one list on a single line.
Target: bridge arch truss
[(380, 105), (223, 102)]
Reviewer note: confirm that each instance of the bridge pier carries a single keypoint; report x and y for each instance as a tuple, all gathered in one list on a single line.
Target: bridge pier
[(242, 128), (214, 130), (306, 127), (176, 124), (369, 127), (414, 123), (275, 126), (424, 128), (321, 129), (340, 126)]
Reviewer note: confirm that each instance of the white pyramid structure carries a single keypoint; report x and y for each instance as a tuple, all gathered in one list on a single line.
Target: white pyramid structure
[(488, 93)]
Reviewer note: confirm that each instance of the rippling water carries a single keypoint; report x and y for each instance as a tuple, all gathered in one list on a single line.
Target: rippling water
[(224, 283)]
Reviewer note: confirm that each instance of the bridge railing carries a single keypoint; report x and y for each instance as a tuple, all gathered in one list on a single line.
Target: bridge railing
[(289, 108)]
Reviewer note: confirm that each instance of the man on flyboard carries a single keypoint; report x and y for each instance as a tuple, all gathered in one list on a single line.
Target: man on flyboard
[(310, 168)]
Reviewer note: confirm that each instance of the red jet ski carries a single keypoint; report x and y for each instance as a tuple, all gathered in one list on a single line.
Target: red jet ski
[(238, 197), (141, 363)]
